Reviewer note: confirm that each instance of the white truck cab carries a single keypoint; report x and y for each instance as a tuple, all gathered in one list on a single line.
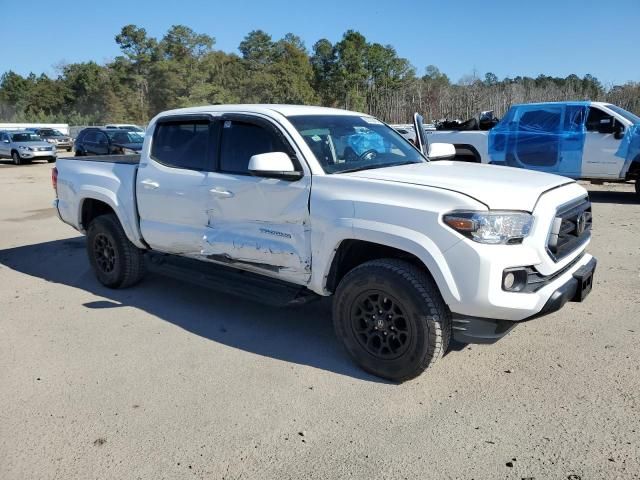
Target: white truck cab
[(289, 203)]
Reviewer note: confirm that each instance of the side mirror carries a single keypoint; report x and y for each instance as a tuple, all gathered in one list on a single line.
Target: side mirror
[(441, 151), (273, 165), (618, 131), (6, 141)]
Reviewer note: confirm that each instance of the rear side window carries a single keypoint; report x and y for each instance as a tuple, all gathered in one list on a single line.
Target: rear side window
[(182, 144), (242, 140), (90, 136), (541, 121)]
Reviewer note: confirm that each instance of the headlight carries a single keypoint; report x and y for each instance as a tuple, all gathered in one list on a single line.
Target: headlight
[(491, 227), (22, 147)]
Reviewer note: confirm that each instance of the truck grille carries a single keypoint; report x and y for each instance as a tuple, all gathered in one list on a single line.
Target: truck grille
[(570, 229)]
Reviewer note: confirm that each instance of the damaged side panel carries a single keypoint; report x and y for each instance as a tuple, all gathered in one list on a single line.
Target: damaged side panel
[(277, 248), (262, 226)]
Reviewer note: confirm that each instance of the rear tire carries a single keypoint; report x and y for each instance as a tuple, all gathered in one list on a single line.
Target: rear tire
[(391, 318), (116, 261)]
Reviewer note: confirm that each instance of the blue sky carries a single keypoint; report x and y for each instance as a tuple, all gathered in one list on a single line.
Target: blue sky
[(505, 37)]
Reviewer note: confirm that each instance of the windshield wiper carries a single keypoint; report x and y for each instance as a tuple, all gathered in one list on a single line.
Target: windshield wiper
[(377, 165)]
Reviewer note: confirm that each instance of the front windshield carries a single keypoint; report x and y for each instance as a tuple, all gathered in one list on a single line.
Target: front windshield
[(26, 137), (622, 112), (51, 133), (348, 143), (118, 136)]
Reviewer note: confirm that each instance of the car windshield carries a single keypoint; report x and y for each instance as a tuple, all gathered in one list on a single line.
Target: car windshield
[(119, 136), (621, 111), (130, 128), (26, 137), (348, 143), (51, 133)]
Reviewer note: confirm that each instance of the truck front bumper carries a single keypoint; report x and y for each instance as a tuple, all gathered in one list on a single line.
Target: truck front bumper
[(469, 329)]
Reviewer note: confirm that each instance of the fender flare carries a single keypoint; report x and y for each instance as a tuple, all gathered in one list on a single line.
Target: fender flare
[(92, 192), (406, 240)]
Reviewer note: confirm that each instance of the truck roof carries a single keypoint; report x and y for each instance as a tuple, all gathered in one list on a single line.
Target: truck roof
[(576, 102), (267, 109)]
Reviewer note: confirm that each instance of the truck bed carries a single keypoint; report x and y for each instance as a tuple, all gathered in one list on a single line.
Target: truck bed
[(107, 179)]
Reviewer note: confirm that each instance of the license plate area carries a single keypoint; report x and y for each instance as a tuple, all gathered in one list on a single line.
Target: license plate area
[(584, 276)]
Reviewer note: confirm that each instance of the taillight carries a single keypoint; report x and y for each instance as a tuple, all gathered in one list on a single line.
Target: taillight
[(54, 180)]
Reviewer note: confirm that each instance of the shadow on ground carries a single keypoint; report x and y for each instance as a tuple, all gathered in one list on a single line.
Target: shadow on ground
[(302, 335)]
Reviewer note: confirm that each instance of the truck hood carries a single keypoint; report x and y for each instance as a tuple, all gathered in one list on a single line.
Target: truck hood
[(499, 188)]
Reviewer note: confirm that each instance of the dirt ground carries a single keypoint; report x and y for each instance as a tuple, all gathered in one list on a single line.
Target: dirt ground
[(167, 380)]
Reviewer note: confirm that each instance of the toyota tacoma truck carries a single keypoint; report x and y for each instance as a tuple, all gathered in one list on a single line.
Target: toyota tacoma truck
[(285, 203), (594, 141)]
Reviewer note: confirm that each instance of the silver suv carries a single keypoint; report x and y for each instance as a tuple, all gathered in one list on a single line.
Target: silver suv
[(25, 146)]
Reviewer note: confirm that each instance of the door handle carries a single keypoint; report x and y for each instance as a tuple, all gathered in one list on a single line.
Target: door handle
[(150, 184), (221, 192)]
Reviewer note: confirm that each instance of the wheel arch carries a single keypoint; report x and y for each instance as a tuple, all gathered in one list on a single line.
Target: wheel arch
[(633, 173), (91, 208), (350, 253), (95, 203), (466, 151)]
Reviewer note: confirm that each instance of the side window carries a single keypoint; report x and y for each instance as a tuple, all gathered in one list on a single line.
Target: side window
[(596, 118), (574, 118), (89, 136), (538, 121), (182, 144), (101, 138), (242, 140)]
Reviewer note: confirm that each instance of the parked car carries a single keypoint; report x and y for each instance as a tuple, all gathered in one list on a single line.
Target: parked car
[(55, 137), (582, 140), (287, 203), (125, 126), (23, 146), (102, 141)]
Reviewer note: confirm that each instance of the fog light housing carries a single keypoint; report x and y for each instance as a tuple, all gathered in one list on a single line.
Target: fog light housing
[(514, 279)]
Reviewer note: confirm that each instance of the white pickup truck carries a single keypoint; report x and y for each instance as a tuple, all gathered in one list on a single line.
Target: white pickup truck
[(288, 203), (583, 140)]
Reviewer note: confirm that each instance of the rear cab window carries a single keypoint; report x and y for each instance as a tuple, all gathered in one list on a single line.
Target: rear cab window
[(185, 144)]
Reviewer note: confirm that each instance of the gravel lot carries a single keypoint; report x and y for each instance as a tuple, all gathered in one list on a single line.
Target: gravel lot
[(167, 380)]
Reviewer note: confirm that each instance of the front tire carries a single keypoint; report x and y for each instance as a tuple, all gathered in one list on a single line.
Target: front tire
[(391, 318), (116, 261), (17, 159)]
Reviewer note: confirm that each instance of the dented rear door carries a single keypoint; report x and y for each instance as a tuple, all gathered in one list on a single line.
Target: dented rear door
[(260, 224)]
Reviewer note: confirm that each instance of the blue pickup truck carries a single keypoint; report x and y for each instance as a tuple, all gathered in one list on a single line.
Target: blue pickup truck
[(582, 140)]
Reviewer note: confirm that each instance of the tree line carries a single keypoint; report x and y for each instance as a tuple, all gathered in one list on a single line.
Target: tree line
[(184, 69)]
